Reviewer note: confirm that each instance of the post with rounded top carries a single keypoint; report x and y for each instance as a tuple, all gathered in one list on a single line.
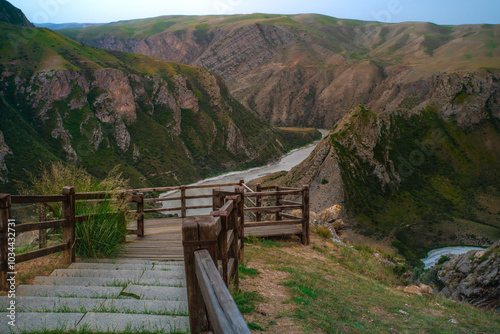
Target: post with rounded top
[(5, 205), (306, 239), (68, 210)]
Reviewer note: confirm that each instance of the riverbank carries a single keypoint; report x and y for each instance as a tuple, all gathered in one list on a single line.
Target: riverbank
[(285, 163)]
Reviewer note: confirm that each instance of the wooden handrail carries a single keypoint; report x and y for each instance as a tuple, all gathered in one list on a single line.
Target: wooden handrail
[(208, 240), (222, 310)]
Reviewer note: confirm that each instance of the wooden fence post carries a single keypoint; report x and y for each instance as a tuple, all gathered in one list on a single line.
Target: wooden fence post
[(198, 319), (217, 200), (278, 203), (222, 245), (241, 227), (183, 201), (42, 233), (306, 239), (258, 204), (68, 210), (140, 215), (4, 248)]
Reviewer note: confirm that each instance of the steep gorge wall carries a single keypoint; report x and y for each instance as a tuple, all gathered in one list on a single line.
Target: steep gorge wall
[(429, 168)]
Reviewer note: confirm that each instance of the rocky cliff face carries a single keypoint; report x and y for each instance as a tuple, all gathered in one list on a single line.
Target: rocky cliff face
[(162, 122), (473, 277), (427, 169), (309, 70)]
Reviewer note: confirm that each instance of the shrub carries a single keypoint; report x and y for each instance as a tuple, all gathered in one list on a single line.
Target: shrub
[(324, 232), (103, 233), (443, 259)]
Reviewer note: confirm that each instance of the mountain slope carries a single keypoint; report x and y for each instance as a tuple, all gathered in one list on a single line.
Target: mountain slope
[(417, 180), (13, 15), (162, 122), (307, 69)]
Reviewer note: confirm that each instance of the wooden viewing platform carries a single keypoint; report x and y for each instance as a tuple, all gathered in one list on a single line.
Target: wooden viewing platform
[(163, 238), (211, 246)]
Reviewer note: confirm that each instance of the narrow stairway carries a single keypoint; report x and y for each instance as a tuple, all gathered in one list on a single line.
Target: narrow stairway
[(120, 295)]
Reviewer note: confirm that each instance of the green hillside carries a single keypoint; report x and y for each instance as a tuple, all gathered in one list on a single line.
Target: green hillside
[(60, 98)]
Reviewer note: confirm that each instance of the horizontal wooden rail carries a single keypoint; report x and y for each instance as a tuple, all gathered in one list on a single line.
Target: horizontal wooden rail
[(162, 199), (273, 223), (162, 209), (273, 208), (41, 252), (221, 308), (40, 225), (286, 215), (274, 193), (92, 196), (29, 199)]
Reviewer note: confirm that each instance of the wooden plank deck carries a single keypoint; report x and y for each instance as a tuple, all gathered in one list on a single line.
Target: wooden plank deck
[(163, 239)]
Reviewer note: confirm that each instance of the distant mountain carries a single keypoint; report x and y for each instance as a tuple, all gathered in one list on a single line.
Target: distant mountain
[(60, 26), (164, 123), (13, 15), (308, 69)]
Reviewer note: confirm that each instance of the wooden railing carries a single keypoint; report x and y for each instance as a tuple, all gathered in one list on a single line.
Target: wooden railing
[(212, 252), (271, 206), (183, 198), (67, 202)]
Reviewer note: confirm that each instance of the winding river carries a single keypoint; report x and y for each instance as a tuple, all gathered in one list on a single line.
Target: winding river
[(285, 163), (434, 255)]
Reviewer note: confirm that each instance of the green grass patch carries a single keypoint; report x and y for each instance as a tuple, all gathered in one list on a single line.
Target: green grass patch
[(247, 301)]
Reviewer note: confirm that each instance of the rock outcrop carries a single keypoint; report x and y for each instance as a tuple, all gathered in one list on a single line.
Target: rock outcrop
[(473, 277)]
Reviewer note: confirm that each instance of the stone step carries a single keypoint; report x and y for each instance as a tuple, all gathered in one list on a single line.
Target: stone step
[(161, 275), (123, 274), (158, 307), (163, 267), (69, 291), (83, 281), (133, 261), (40, 322), (106, 281), (83, 305), (156, 292), (52, 304), (111, 266), (133, 323)]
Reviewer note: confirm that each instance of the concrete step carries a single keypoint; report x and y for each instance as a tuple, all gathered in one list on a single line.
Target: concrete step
[(52, 304), (123, 274), (83, 281), (112, 266), (156, 292), (160, 274), (107, 281), (157, 307), (68, 291), (132, 323), (40, 322), (133, 261)]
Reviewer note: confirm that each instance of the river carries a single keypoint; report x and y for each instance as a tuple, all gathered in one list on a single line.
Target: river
[(285, 163), (434, 255)]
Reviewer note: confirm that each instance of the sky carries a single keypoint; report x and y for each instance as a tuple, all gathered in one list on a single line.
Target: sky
[(103, 11)]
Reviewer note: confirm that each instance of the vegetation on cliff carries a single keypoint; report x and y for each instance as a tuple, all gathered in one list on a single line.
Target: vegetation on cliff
[(163, 123)]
